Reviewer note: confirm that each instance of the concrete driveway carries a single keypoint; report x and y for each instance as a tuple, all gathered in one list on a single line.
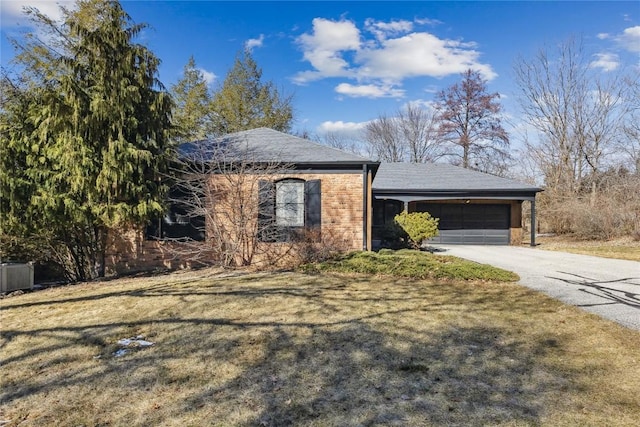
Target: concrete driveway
[(607, 287)]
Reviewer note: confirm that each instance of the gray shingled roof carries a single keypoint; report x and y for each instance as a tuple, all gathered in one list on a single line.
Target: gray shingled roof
[(268, 145), (432, 177)]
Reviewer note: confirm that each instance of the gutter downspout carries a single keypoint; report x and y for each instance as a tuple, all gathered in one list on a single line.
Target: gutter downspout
[(365, 207), (369, 208)]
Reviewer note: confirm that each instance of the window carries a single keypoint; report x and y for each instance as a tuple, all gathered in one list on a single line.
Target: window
[(177, 223), (290, 203), (385, 211), (287, 208)]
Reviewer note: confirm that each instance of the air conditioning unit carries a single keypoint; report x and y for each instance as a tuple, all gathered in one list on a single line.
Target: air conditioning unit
[(15, 276)]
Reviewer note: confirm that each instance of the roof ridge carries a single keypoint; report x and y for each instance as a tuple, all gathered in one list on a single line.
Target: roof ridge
[(305, 140)]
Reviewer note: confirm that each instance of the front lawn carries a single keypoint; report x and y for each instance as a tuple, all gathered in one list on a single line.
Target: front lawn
[(248, 349), (623, 248)]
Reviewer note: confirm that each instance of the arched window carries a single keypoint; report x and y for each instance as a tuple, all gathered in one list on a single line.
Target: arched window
[(290, 203)]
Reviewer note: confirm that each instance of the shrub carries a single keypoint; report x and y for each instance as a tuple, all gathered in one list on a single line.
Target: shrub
[(418, 226), (393, 236), (610, 212), (410, 264)]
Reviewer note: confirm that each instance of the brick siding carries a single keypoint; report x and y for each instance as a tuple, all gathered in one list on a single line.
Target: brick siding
[(342, 227)]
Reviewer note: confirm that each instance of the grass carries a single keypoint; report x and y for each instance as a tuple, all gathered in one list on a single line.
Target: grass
[(249, 349), (628, 248), (412, 264)]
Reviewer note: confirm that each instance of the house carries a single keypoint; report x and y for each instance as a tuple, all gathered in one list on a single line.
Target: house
[(294, 185), (332, 194)]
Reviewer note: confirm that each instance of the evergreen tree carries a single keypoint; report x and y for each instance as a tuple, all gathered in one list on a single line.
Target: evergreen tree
[(245, 102), (90, 130), (192, 116)]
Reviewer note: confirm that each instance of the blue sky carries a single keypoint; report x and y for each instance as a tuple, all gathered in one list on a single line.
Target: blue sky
[(348, 62)]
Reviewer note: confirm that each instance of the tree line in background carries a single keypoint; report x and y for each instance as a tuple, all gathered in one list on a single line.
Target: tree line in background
[(470, 120), (584, 142), (88, 135), (462, 126)]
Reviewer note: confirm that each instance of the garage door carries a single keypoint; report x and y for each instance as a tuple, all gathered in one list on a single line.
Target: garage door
[(470, 224)]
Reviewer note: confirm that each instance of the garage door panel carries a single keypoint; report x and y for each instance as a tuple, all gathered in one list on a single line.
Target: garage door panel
[(450, 217), (482, 224), (471, 237)]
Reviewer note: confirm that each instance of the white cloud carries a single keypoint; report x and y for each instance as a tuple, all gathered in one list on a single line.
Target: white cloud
[(382, 30), (208, 76), (428, 21), (425, 104), (380, 62), (343, 128), (630, 39), (369, 91), (12, 12), (606, 61), (432, 89), (420, 54), (603, 36), (323, 47), (251, 43)]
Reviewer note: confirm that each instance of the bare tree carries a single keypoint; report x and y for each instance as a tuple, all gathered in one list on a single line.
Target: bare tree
[(471, 122), (410, 135), (218, 193), (419, 130), (630, 144), (384, 137), (578, 117), (344, 142), (584, 126)]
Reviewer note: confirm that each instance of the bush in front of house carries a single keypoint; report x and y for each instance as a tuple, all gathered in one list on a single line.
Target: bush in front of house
[(419, 226), (410, 264)]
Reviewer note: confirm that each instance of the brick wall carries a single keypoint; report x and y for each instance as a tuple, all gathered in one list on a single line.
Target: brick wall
[(342, 215), (129, 251), (342, 223)]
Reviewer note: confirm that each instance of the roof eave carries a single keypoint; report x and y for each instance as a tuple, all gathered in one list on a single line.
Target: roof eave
[(459, 190), (478, 194)]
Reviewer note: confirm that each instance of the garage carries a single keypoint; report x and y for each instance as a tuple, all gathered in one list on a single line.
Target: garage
[(470, 224), (472, 207)]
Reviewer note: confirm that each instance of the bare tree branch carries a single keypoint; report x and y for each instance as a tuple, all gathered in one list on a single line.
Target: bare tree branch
[(410, 135), (218, 189)]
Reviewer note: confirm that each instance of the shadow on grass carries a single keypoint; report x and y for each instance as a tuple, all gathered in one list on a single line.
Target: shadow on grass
[(373, 369), (352, 376)]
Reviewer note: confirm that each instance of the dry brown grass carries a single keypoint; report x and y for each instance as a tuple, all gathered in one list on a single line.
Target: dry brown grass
[(621, 248), (244, 349)]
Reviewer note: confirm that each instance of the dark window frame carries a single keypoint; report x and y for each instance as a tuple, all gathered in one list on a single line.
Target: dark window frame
[(177, 223)]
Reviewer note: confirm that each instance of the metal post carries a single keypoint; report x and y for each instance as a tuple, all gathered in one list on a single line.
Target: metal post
[(533, 221)]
